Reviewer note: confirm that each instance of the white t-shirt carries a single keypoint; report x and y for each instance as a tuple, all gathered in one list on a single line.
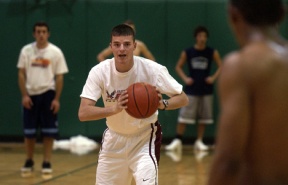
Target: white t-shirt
[(104, 80), (41, 66)]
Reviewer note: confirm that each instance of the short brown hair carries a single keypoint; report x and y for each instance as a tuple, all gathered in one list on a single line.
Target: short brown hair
[(40, 23), (123, 30), (200, 29)]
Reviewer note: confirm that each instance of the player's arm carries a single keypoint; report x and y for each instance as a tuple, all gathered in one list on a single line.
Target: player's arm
[(104, 54), (145, 51), (26, 100), (55, 104), (22, 81), (179, 69), (233, 129), (88, 111), (218, 61), (174, 102)]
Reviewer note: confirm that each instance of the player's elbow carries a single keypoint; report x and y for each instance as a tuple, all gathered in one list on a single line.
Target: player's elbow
[(230, 168), (227, 165), (81, 115), (176, 68), (152, 58), (100, 57), (185, 99)]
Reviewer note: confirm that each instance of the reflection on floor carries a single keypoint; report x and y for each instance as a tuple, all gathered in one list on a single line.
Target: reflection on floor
[(187, 167)]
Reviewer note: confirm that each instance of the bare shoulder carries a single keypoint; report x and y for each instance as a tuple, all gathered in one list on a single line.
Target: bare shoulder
[(265, 58), (232, 71), (258, 53), (256, 63), (232, 64), (140, 43), (249, 59)]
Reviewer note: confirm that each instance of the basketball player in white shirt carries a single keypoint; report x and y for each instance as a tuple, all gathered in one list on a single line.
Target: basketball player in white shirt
[(130, 146)]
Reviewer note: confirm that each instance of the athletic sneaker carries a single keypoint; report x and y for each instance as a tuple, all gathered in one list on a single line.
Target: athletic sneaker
[(28, 166), (46, 168), (176, 144), (199, 145)]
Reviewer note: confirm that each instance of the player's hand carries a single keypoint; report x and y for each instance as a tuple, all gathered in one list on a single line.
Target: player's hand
[(55, 106), (159, 94), (189, 81), (209, 80), (122, 101), (161, 105), (27, 102)]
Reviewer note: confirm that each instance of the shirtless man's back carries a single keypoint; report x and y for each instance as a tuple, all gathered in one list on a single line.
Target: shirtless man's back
[(252, 138)]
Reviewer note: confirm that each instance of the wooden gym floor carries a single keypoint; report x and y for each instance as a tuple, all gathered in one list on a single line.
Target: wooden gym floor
[(188, 168)]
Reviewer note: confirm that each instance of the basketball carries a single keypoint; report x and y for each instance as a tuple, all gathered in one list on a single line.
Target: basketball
[(143, 100)]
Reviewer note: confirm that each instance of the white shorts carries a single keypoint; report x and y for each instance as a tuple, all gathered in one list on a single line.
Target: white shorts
[(125, 156), (199, 107)]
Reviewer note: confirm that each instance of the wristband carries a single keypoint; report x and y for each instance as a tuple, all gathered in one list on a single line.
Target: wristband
[(165, 103)]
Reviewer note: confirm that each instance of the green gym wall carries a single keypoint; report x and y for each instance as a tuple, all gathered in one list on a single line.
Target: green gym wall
[(81, 28)]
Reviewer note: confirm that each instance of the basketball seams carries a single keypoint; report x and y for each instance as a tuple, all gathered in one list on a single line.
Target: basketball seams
[(140, 95), (135, 102), (148, 97)]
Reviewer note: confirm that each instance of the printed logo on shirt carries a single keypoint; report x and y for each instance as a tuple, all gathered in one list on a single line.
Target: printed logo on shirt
[(199, 63), (113, 96), (40, 62)]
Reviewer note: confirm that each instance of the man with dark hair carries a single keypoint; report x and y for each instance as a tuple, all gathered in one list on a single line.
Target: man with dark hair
[(41, 67), (130, 147), (200, 29), (199, 88), (140, 50), (41, 24), (251, 144)]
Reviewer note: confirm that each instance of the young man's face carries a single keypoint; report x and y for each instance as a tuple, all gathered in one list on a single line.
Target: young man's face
[(201, 38), (41, 34), (122, 48)]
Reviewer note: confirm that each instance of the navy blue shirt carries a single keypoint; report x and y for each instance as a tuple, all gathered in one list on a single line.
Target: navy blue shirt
[(199, 65)]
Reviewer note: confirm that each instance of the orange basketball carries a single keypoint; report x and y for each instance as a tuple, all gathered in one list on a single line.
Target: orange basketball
[(143, 100)]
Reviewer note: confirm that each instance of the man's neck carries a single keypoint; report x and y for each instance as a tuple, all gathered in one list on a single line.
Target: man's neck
[(41, 45), (261, 34), (123, 68), (200, 46)]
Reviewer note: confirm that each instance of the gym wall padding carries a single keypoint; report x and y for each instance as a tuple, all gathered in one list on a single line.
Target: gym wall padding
[(81, 28)]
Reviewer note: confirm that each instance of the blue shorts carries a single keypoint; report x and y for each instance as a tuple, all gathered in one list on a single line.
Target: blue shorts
[(40, 116)]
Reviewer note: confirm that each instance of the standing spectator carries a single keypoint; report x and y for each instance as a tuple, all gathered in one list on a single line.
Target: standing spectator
[(41, 67), (199, 88)]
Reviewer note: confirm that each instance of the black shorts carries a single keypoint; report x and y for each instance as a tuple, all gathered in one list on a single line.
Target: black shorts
[(40, 116)]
